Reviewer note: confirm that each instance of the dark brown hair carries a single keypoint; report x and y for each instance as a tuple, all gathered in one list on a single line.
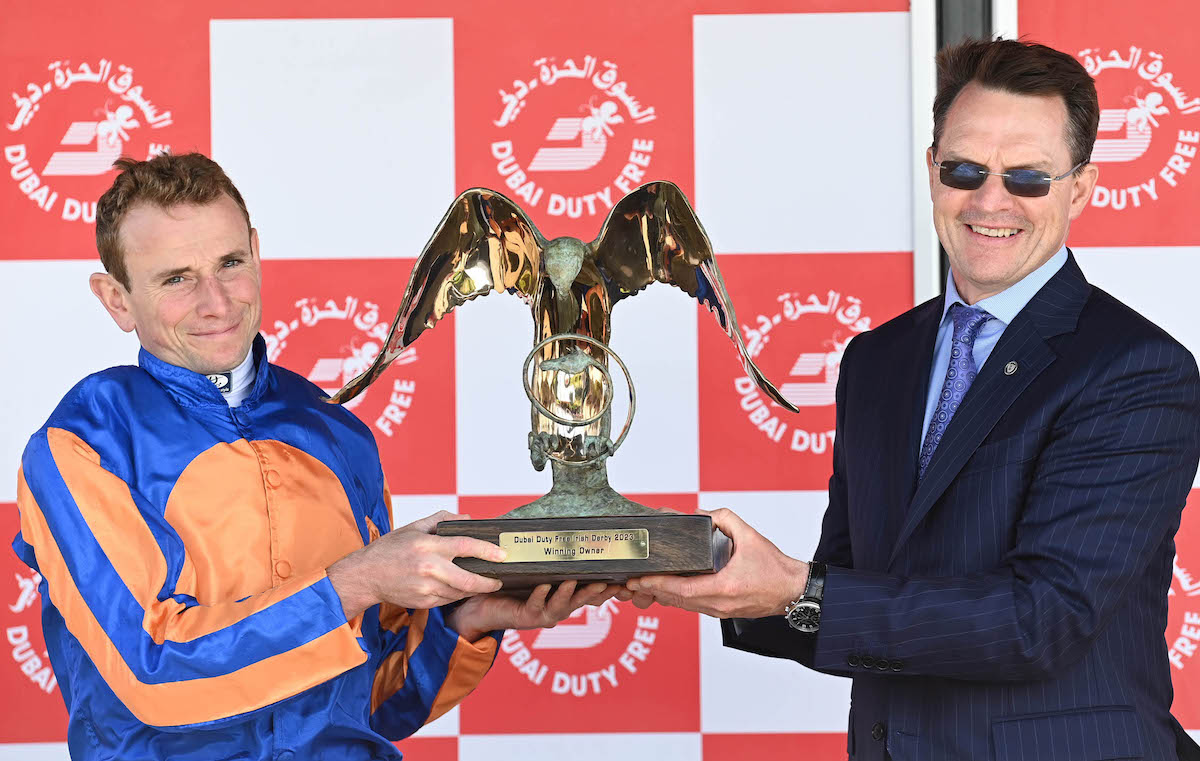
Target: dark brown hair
[(163, 181), (1021, 68)]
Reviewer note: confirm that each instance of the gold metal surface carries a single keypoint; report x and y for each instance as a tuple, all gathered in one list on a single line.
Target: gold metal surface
[(486, 243), (589, 544)]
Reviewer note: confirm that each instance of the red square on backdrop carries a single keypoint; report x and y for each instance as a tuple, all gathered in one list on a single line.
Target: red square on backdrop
[(1147, 70), (810, 746), (613, 668), (429, 748), (327, 320), (796, 312), (565, 118), (34, 710), (85, 94), (1183, 616)]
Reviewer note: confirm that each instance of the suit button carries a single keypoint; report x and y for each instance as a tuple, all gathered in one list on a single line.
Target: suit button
[(854, 661), (883, 664), (283, 569), (877, 731), (273, 479), (897, 665), (868, 662)]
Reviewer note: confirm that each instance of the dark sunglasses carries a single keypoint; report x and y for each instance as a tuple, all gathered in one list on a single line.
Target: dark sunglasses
[(1029, 183)]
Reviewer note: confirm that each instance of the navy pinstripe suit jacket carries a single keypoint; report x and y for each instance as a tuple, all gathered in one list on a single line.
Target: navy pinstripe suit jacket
[(1012, 605)]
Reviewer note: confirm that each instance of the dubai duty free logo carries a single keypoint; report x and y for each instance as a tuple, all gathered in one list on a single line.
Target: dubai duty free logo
[(811, 333), (1148, 133), (1183, 618), (36, 668), (588, 654), (573, 139), (69, 123), (331, 360)]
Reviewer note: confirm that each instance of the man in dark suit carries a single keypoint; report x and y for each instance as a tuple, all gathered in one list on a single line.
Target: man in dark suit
[(1010, 466)]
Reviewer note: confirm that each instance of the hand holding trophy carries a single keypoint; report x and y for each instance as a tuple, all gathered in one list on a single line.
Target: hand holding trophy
[(582, 529)]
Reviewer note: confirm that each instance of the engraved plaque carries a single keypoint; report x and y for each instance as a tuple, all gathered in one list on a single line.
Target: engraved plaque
[(683, 544), (605, 544)]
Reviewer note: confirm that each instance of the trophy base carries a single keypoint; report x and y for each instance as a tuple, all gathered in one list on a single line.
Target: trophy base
[(588, 549)]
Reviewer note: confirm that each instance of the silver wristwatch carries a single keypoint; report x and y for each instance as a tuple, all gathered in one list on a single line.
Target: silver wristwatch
[(804, 614)]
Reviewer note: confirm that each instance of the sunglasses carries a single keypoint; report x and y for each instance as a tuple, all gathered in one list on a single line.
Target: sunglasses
[(1028, 183)]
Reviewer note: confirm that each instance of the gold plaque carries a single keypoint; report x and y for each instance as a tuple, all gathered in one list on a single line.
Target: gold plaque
[(584, 544)]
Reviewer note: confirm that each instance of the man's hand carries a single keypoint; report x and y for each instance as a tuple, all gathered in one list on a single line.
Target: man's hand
[(758, 581), (541, 610), (412, 567)]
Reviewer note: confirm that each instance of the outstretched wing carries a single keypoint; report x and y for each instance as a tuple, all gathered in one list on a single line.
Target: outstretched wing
[(484, 243), (653, 234)]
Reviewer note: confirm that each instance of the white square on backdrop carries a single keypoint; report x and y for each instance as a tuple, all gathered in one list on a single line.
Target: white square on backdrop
[(1156, 281), (34, 752), (350, 154), (407, 508), (803, 132), (646, 746), (492, 335), (57, 334), (654, 333), (742, 692)]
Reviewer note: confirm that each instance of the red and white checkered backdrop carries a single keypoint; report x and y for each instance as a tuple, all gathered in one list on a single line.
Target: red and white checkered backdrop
[(350, 126)]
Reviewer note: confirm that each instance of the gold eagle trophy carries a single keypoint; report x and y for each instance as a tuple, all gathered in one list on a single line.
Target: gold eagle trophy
[(582, 529)]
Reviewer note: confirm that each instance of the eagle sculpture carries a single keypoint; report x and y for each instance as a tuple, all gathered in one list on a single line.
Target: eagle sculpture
[(486, 243)]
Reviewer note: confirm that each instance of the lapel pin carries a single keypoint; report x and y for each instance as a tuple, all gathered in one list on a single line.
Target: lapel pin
[(1010, 368)]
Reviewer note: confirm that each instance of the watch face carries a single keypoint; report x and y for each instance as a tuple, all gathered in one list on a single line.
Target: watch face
[(806, 617)]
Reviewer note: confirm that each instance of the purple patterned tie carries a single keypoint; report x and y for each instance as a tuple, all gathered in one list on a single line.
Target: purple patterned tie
[(959, 377)]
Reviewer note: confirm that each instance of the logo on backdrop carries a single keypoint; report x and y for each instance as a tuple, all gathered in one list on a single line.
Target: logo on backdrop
[(1149, 132), (1183, 620), (71, 127), (336, 360), (586, 654), (808, 377), (36, 668), (581, 146)]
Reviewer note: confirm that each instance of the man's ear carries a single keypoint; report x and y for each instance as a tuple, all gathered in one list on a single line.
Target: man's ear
[(1082, 186), (932, 170), (115, 299)]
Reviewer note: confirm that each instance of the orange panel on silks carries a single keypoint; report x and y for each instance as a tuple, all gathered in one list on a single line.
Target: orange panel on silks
[(244, 535)]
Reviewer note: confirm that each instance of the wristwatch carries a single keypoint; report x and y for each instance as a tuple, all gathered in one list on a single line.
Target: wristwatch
[(804, 614)]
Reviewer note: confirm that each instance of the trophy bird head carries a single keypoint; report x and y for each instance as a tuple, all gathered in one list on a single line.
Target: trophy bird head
[(563, 258)]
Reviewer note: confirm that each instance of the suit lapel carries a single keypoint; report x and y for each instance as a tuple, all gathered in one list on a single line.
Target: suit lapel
[(1052, 311), (905, 401)]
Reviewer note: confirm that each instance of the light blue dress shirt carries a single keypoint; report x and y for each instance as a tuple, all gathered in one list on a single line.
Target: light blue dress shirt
[(1003, 307)]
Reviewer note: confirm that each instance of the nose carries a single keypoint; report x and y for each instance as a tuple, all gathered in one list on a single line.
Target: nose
[(991, 195), (212, 299)]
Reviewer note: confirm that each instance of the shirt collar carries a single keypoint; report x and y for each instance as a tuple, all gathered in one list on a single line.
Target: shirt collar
[(1005, 305), (192, 388)]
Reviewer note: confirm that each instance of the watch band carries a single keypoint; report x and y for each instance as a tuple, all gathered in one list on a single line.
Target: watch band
[(814, 589)]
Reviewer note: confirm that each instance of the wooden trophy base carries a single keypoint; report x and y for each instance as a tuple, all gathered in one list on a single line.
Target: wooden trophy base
[(610, 549)]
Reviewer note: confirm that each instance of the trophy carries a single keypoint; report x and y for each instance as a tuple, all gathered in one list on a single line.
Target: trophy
[(582, 529)]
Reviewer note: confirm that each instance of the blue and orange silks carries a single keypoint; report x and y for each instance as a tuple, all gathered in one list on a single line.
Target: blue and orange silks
[(183, 547)]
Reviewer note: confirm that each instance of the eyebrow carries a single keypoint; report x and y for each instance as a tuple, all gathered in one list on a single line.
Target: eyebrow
[(1045, 166), (167, 274)]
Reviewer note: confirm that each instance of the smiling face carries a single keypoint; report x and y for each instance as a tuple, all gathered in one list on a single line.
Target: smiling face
[(194, 280), (993, 238)]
